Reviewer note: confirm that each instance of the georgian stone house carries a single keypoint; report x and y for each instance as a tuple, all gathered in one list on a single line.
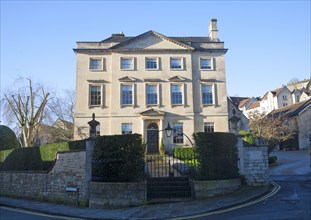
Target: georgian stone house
[(140, 84)]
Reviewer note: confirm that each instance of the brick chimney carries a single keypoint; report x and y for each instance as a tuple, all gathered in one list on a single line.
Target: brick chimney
[(212, 29)]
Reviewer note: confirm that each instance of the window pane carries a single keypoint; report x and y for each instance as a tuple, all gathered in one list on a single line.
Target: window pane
[(152, 63), (95, 95), (152, 95), (209, 127), (126, 128), (207, 95), (176, 94), (178, 136), (96, 64), (127, 63), (176, 63), (127, 94), (206, 64)]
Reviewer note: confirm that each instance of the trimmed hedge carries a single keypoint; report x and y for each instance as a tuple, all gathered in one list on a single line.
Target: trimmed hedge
[(118, 158), (8, 138), (184, 153), (35, 158), (217, 155)]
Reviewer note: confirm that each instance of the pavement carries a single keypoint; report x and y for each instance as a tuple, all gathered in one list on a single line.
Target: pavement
[(178, 210)]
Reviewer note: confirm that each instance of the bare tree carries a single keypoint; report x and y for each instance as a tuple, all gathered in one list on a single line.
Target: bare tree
[(27, 107), (270, 128)]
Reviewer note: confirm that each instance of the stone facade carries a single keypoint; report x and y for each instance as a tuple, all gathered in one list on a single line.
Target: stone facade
[(112, 195), (142, 83), (212, 188), (256, 166), (68, 171)]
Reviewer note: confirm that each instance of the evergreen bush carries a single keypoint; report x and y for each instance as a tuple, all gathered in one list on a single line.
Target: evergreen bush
[(217, 155), (186, 153), (118, 158), (8, 138)]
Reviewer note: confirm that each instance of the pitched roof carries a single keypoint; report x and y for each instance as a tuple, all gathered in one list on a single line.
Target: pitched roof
[(291, 110), (254, 105), (239, 101), (129, 40)]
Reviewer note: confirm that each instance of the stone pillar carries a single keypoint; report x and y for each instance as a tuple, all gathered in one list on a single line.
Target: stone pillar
[(240, 149), (88, 166)]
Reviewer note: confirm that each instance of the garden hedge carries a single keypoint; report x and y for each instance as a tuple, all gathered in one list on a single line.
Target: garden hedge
[(39, 158), (187, 153), (118, 158), (217, 155)]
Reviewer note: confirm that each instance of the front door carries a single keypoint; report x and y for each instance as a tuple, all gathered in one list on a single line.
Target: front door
[(153, 139)]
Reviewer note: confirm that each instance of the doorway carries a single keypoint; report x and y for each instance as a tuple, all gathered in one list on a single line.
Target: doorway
[(152, 138)]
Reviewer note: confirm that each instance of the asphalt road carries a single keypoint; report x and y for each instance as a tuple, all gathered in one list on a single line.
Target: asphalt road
[(18, 214), (293, 200)]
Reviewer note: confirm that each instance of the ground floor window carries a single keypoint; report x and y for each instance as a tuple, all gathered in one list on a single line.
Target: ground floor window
[(178, 135), (126, 128), (209, 127)]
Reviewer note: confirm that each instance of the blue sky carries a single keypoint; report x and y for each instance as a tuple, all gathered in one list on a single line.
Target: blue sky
[(268, 41)]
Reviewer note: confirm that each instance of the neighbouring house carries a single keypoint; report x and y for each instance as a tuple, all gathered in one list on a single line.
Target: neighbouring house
[(140, 84), (60, 131), (298, 118)]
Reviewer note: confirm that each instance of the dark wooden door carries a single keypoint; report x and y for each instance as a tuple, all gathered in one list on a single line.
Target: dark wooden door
[(153, 139)]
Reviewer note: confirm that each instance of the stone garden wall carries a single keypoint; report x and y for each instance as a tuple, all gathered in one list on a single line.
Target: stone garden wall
[(211, 188), (253, 164), (112, 195), (69, 172)]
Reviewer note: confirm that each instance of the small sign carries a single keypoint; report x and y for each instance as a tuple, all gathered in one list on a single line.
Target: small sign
[(71, 189)]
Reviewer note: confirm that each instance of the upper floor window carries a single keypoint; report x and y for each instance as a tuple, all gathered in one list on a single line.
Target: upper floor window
[(126, 94), (127, 63), (151, 94), (176, 63), (284, 104), (95, 95), (152, 63), (207, 94), (297, 98), (284, 97), (205, 64), (176, 95), (209, 127), (178, 135), (96, 64), (127, 128)]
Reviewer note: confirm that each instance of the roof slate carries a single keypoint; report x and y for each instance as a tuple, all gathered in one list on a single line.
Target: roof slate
[(291, 110)]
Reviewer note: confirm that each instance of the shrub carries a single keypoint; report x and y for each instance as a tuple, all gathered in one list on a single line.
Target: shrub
[(186, 153), (217, 155), (8, 138), (248, 137), (118, 158), (273, 159)]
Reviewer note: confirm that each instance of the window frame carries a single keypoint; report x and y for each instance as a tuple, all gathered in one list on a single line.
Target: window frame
[(182, 94), (121, 94), (157, 93), (125, 131), (97, 69), (127, 58), (178, 137), (181, 63), (101, 95), (157, 63), (213, 94), (206, 125), (206, 58)]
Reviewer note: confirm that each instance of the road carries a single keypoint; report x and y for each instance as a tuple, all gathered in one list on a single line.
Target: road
[(292, 201), (7, 213)]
